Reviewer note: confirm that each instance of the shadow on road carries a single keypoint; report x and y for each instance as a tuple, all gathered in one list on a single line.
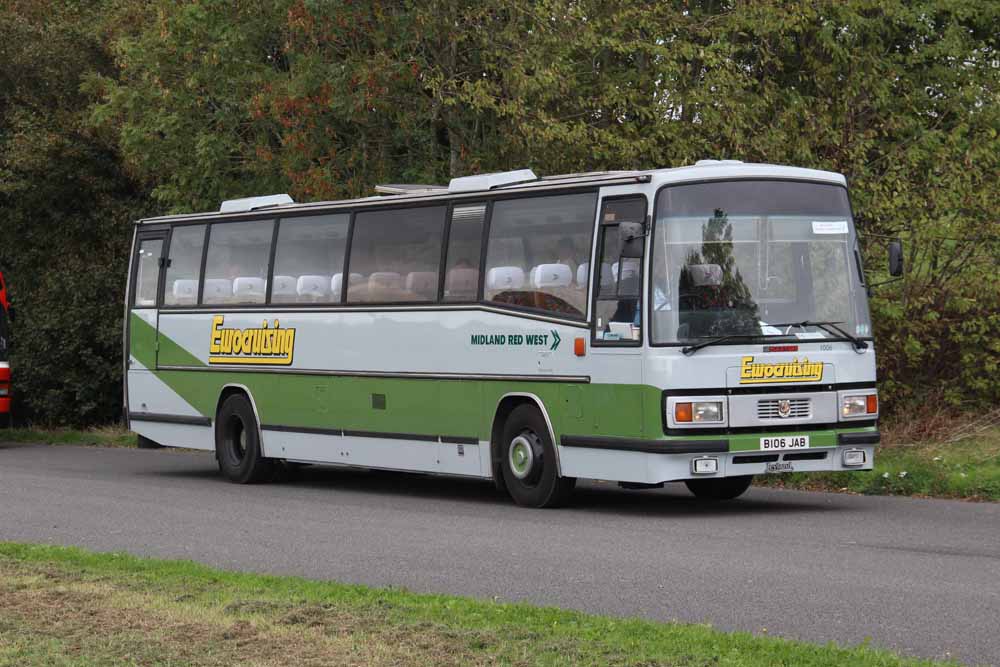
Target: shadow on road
[(591, 497)]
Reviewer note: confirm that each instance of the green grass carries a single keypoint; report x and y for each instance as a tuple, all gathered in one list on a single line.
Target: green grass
[(66, 606), (102, 436), (967, 469)]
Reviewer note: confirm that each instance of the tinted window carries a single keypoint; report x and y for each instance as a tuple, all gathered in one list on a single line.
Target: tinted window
[(184, 267), (147, 272), (309, 259), (396, 255), (236, 269), (538, 253), (465, 243)]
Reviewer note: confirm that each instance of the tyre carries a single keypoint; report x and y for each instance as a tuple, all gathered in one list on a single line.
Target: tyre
[(143, 442), (528, 461), (720, 488), (237, 443)]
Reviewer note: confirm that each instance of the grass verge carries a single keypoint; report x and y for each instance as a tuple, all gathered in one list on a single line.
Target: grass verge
[(113, 435), (66, 606), (968, 469)]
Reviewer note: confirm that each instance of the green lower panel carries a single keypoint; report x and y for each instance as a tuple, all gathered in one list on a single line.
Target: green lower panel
[(462, 408), (421, 406)]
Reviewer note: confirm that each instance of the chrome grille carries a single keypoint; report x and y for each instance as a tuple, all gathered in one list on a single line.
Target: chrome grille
[(770, 408)]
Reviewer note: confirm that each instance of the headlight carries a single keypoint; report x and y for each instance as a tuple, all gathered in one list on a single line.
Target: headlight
[(858, 405), (698, 412), (707, 411)]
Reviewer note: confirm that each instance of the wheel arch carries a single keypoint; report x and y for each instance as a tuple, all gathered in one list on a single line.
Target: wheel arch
[(505, 405)]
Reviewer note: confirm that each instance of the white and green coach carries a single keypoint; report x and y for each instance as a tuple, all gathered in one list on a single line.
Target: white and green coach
[(705, 324)]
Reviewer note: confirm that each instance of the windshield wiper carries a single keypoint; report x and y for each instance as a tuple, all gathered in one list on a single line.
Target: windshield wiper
[(688, 350), (829, 327)]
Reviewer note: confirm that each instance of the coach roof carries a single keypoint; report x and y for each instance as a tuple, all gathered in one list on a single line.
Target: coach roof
[(510, 182)]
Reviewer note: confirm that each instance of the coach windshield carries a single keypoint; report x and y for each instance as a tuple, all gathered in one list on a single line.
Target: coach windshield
[(755, 258)]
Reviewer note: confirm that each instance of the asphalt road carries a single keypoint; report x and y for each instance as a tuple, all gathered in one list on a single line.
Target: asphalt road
[(918, 576)]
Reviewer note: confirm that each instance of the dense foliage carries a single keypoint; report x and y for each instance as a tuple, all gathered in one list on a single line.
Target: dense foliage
[(107, 108)]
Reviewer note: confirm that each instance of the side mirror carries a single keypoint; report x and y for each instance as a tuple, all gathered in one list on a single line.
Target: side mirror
[(631, 235), (896, 258)]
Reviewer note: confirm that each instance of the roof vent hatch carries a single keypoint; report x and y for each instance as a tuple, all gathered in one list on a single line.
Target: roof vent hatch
[(254, 203), (491, 181)]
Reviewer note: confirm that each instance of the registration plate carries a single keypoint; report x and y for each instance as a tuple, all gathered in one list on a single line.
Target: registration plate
[(785, 442)]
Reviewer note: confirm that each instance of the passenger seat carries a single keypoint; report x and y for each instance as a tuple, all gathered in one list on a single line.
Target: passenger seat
[(314, 288), (249, 290), (218, 290), (461, 284), (503, 278), (185, 292), (283, 290), (422, 285)]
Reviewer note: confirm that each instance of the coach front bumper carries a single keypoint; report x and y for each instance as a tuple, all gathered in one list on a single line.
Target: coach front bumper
[(655, 461)]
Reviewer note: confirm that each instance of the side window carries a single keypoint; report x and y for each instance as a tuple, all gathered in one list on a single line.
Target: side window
[(618, 279), (396, 255), (309, 259), (538, 251), (465, 243), (236, 265), (184, 265), (147, 272)]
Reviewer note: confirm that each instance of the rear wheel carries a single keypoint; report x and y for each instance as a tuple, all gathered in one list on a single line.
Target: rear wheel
[(528, 461), (720, 488), (237, 443)]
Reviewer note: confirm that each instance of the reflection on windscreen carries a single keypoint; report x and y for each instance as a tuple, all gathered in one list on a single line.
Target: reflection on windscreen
[(737, 272)]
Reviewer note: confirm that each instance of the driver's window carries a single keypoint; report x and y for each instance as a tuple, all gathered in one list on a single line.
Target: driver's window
[(618, 279)]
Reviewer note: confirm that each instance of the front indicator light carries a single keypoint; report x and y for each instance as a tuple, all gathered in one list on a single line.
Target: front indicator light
[(682, 413), (854, 457), (706, 465), (871, 404)]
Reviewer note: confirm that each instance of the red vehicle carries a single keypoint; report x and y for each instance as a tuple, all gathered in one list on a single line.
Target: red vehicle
[(6, 316)]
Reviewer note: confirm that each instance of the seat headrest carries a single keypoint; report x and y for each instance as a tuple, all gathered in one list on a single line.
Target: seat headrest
[(249, 286), (583, 272), (551, 275), (185, 289), (461, 280), (629, 271), (218, 288), (385, 279), (284, 286), (337, 283), (314, 286), (422, 282), (505, 278)]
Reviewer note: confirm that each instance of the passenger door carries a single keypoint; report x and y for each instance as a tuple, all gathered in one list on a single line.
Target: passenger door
[(144, 297), (618, 318)]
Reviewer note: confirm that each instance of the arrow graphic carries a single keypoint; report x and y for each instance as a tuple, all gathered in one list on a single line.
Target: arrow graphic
[(556, 339)]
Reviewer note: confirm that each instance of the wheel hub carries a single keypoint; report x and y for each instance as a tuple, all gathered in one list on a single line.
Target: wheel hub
[(524, 456)]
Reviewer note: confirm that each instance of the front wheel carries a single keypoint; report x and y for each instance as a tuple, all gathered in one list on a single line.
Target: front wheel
[(237, 443), (720, 488), (528, 461)]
